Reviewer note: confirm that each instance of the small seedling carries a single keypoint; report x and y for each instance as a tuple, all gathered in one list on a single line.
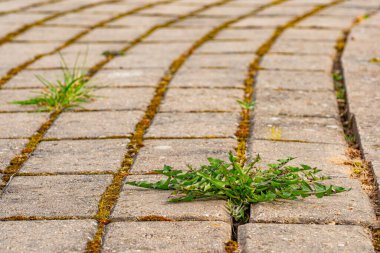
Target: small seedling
[(350, 138), (113, 53), (337, 76), (69, 92), (242, 185), (340, 93), (275, 133), (250, 106)]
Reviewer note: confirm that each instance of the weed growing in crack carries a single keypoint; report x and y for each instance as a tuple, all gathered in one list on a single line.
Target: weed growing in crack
[(242, 185), (250, 106), (69, 92)]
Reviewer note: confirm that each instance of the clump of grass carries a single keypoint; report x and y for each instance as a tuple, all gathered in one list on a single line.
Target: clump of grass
[(69, 92), (242, 185)]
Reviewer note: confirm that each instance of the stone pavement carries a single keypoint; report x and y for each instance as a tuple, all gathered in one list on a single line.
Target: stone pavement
[(170, 98)]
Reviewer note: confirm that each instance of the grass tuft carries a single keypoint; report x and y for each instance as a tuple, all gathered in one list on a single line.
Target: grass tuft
[(242, 185), (69, 92)]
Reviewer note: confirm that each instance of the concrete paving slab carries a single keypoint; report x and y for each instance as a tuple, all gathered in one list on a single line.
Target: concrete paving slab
[(327, 157), (347, 208), (209, 78), (323, 130), (20, 124), (304, 238), (190, 100), (137, 203), (167, 237), (87, 124), (180, 153), (46, 236), (77, 156), (9, 149), (194, 125), (294, 80), (53, 196), (120, 99), (296, 103), (297, 62)]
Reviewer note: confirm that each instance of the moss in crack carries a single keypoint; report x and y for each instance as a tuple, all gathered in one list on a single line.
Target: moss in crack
[(232, 247)]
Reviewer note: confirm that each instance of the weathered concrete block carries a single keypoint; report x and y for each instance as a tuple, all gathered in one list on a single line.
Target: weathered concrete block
[(46, 236), (53, 196), (167, 237), (304, 238)]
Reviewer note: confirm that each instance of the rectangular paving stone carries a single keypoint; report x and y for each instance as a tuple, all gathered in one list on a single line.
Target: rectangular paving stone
[(20, 124), (326, 22), (53, 196), (135, 203), (280, 10), (304, 47), (296, 103), (46, 236), (352, 207), (127, 77), (209, 78), (168, 237), (326, 130), (200, 21), (177, 34), (77, 60), (194, 125), (94, 124), (327, 157), (79, 19), (173, 49), (121, 35), (180, 153), (14, 54), (7, 97), (139, 21), (190, 100), (170, 9), (121, 99), (147, 61), (77, 156), (21, 18), (227, 61), (8, 150), (297, 62), (218, 47), (242, 34), (114, 8), (226, 11), (262, 21), (49, 34), (302, 238), (309, 34), (87, 48), (28, 79), (294, 80)]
